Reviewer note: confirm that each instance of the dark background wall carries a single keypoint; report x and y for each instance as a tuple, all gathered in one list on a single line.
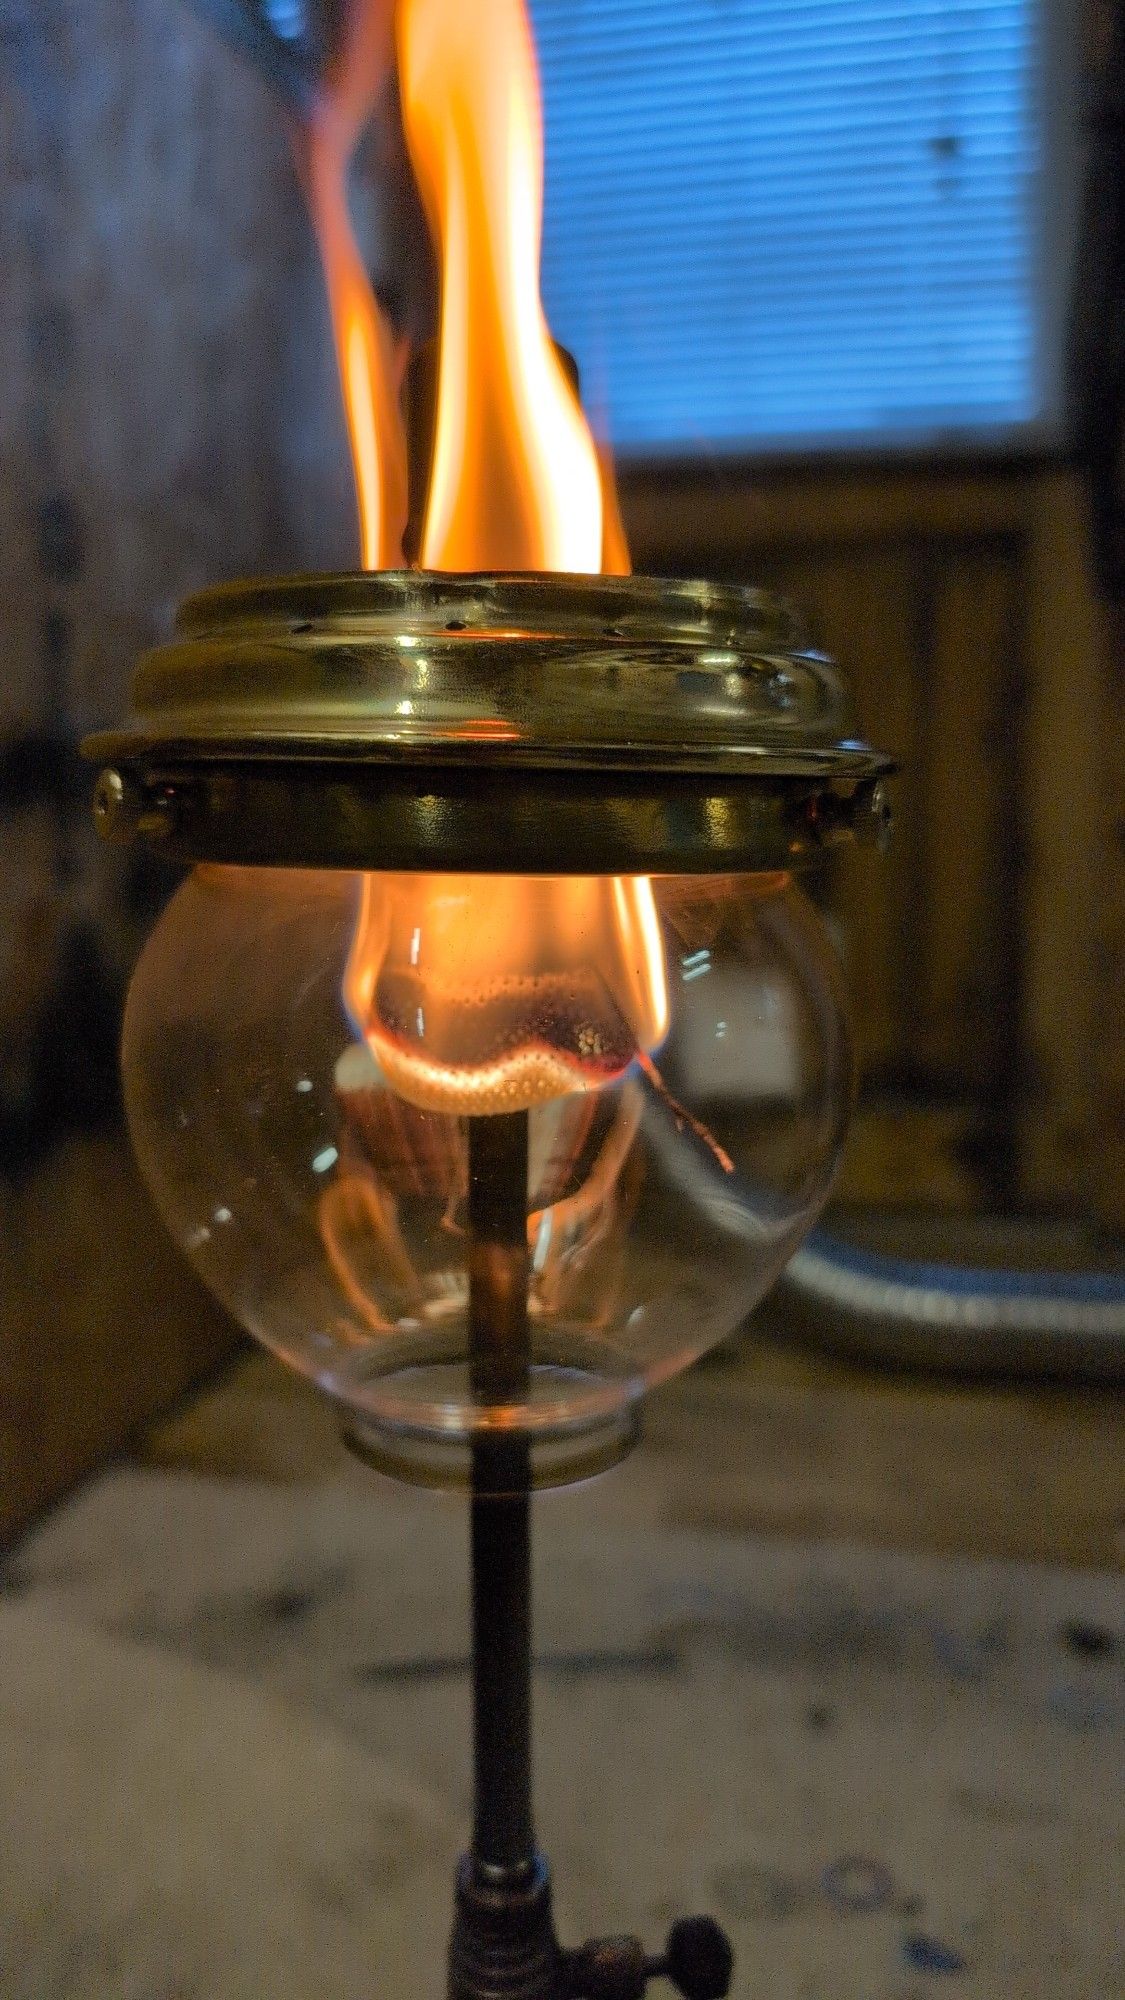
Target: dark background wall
[(160, 303)]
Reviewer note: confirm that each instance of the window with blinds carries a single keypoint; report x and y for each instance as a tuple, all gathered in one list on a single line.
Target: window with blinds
[(779, 223)]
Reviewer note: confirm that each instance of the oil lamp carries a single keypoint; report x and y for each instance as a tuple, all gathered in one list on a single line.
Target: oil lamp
[(490, 1063)]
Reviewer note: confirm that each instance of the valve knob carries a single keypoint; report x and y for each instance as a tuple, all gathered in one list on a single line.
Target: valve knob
[(698, 1958)]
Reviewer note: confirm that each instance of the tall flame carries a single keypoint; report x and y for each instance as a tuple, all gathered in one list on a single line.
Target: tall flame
[(369, 358), (515, 481), (477, 996)]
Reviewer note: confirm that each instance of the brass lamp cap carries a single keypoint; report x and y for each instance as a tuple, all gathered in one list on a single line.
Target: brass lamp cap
[(527, 723)]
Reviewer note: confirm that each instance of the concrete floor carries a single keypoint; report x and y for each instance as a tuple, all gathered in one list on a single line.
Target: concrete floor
[(837, 1659)]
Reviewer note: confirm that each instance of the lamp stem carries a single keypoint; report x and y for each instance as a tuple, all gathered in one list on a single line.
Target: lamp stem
[(503, 1941), (503, 1945), (500, 1359)]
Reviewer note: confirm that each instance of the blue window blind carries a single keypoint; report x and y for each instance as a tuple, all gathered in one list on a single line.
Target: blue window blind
[(794, 222)]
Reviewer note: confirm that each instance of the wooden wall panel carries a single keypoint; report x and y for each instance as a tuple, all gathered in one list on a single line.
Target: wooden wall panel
[(966, 789), (1107, 1192), (863, 613), (1074, 876), (101, 1322), (931, 633), (961, 604)]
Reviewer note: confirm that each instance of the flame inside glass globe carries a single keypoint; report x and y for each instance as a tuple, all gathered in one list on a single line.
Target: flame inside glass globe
[(488, 995), (305, 1052)]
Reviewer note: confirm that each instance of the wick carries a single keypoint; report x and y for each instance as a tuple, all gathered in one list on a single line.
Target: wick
[(682, 1115)]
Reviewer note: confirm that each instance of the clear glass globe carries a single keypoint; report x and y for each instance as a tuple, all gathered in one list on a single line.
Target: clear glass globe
[(307, 1056)]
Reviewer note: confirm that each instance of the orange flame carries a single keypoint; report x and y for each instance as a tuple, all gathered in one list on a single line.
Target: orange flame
[(369, 358), (492, 994), (515, 481), (615, 547), (478, 995)]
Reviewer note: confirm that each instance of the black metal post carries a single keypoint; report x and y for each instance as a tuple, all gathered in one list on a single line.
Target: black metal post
[(501, 1501), (503, 1940)]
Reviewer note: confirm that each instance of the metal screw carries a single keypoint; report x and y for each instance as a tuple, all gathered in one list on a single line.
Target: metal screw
[(115, 813), (873, 818), (122, 811)]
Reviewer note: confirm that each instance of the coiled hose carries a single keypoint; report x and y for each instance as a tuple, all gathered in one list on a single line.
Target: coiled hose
[(957, 1319)]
